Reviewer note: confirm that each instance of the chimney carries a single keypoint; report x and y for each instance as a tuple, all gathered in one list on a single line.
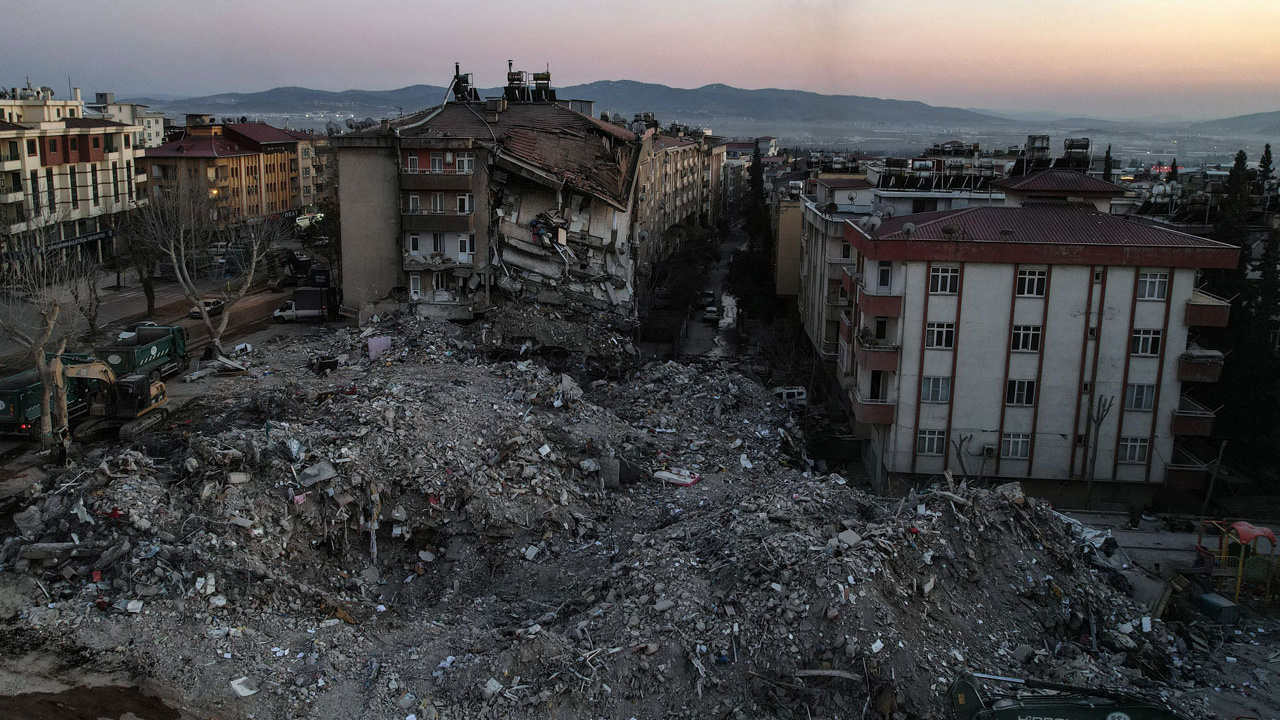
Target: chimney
[(386, 126), (75, 94)]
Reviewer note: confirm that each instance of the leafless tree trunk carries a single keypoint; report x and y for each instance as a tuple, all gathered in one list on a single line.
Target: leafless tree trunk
[(83, 286), (1096, 416)]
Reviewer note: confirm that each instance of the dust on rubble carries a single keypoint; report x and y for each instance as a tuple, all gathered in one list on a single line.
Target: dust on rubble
[(456, 530)]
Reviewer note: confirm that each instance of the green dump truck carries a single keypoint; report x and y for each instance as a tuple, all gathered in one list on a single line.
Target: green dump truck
[(158, 352), (20, 403)]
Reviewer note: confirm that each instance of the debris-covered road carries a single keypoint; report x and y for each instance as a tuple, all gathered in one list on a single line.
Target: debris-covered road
[(455, 530)]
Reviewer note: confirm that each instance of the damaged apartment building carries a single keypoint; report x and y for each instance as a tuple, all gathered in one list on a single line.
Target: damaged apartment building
[(521, 195)]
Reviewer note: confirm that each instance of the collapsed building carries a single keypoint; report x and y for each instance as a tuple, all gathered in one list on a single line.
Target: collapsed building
[(521, 193)]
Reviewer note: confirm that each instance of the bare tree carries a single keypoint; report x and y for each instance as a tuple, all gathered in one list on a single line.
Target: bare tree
[(1097, 415), (142, 249), (39, 317), (82, 285), (184, 226)]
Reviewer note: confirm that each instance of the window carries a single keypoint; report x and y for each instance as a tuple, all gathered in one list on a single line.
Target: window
[(1020, 392), (882, 328), (931, 442), (1097, 276), (1093, 333), (74, 145), (1132, 450), (437, 162), (115, 182), (1139, 397), (415, 284), (466, 202), (126, 140), (1153, 285), (437, 242), (75, 191), (51, 190), (884, 275), (1015, 446), (1145, 342), (944, 280), (466, 163), (471, 243), (413, 244), (1031, 283), (941, 336), (53, 145), (846, 250), (414, 206), (1086, 387), (128, 171), (411, 163), (1026, 338), (1080, 439), (93, 181), (31, 147), (437, 203), (96, 141), (35, 192), (935, 389)]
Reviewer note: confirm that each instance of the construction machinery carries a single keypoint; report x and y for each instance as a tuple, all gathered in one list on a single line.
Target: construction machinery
[(131, 404), (1069, 703), (157, 351)]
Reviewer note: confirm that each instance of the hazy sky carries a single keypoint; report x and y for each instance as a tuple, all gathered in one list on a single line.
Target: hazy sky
[(1109, 58)]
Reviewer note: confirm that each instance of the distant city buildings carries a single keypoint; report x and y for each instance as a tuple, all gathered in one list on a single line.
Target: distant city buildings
[(152, 123), (66, 180)]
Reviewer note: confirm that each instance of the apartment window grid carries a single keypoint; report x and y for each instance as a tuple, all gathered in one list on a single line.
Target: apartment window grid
[(411, 162), (414, 205), (884, 274), (75, 190), (466, 163), (466, 203), (115, 181), (931, 442), (1153, 285), (944, 280), (1145, 342), (940, 336), (51, 190), (437, 242), (1032, 283), (1139, 397), (935, 389), (1015, 446), (437, 203), (437, 162), (35, 192), (1133, 450), (414, 246), (1020, 392), (1026, 338), (93, 182)]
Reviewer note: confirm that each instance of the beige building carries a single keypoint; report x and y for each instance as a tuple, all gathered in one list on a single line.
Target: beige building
[(250, 169), (787, 213), (65, 180), (151, 123)]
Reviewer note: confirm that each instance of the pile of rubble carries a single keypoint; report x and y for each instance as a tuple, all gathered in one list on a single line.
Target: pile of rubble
[(413, 530)]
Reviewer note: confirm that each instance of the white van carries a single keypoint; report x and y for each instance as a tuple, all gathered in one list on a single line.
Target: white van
[(791, 394)]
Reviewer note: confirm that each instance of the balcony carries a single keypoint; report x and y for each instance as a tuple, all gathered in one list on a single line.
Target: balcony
[(10, 161), (846, 326), (10, 194), (1200, 365), (871, 411), (1205, 310), (1192, 418), (1185, 471), (436, 261), (881, 304), (872, 354), (850, 280), (423, 220), (426, 180)]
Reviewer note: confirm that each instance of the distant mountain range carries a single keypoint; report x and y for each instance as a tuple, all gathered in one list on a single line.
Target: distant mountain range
[(626, 97), (1266, 124)]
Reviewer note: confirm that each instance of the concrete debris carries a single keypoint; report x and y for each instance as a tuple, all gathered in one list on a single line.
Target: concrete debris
[(456, 529)]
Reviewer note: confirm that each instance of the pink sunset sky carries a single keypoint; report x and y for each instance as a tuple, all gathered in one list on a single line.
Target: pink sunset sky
[(1107, 58)]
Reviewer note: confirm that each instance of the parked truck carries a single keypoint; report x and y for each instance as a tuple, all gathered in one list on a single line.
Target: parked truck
[(20, 396), (309, 303), (157, 352)]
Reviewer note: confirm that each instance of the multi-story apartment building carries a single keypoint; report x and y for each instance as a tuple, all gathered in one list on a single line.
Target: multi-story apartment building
[(65, 180), (518, 192), (151, 123), (984, 340), (824, 252), (250, 170)]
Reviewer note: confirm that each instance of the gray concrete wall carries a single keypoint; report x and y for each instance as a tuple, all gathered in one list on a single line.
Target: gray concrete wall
[(370, 223)]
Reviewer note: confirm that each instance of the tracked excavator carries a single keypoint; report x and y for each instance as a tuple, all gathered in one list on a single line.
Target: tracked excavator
[(130, 405), (1069, 702)]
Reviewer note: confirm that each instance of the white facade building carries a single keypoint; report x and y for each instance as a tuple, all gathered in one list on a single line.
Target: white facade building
[(979, 339), (151, 123)]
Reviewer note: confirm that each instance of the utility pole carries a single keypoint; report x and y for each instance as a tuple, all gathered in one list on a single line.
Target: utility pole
[(1213, 478), (1096, 416)]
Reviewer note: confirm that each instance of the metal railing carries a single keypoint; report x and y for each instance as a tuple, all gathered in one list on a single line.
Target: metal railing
[(442, 171)]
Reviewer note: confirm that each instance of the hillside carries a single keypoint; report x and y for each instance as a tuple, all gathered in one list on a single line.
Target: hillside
[(702, 104), (1265, 124)]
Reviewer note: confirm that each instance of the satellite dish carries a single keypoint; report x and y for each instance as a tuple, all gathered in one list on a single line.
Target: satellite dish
[(909, 229), (888, 211), (951, 229), (332, 128), (351, 124), (873, 223), (244, 118)]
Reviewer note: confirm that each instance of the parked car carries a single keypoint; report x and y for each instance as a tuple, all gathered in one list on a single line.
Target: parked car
[(791, 394), (212, 307), (707, 298), (131, 331), (711, 314)]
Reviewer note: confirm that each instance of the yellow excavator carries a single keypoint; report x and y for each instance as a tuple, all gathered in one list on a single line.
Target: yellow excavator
[(131, 404)]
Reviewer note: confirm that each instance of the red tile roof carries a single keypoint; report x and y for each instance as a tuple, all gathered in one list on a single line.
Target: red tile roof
[(83, 122), (1037, 223), (1062, 182), (566, 143), (5, 125), (261, 133), (666, 141), (199, 147)]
